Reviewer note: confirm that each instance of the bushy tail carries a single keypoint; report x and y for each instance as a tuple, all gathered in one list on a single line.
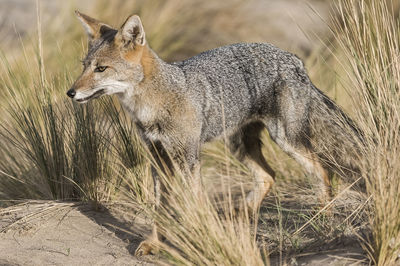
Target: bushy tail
[(335, 138)]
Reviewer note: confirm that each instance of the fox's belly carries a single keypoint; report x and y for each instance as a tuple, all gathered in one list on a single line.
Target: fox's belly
[(219, 125)]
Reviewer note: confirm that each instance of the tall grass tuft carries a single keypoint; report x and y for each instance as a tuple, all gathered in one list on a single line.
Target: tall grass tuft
[(131, 163), (202, 227), (37, 133), (202, 235), (368, 33), (90, 144), (52, 148)]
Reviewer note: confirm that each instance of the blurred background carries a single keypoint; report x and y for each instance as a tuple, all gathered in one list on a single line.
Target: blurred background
[(285, 23)]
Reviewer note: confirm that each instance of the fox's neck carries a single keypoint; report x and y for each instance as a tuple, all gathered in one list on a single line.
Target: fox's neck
[(146, 99), (152, 65)]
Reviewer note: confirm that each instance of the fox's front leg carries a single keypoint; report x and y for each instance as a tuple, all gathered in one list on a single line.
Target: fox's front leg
[(188, 163), (150, 245), (163, 164), (170, 162)]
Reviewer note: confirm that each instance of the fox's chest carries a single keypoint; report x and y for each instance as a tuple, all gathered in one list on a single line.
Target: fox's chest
[(149, 120), (144, 113)]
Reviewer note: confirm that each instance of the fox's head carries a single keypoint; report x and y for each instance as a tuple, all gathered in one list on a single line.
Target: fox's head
[(113, 63)]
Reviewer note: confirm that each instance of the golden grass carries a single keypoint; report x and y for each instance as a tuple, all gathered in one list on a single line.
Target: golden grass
[(212, 227), (368, 33)]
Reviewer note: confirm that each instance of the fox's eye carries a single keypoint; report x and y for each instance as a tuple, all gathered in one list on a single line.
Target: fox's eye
[(100, 68)]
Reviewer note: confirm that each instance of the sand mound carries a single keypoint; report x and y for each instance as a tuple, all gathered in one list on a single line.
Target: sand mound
[(53, 233)]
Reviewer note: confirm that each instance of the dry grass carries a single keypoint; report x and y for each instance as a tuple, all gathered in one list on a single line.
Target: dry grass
[(369, 36), (203, 230)]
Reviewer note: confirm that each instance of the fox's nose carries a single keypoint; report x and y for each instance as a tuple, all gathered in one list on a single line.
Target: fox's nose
[(71, 93)]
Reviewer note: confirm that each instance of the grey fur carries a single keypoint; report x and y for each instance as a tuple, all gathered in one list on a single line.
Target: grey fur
[(232, 86)]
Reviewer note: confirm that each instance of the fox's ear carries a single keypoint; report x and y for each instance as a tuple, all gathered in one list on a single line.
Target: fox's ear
[(94, 28), (132, 32)]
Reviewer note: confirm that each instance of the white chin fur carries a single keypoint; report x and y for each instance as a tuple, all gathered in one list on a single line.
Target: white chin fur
[(79, 96), (108, 88), (83, 97), (116, 87)]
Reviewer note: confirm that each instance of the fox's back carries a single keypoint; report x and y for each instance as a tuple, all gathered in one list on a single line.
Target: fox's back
[(235, 83)]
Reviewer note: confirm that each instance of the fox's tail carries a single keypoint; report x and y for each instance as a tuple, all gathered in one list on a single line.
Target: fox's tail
[(335, 138)]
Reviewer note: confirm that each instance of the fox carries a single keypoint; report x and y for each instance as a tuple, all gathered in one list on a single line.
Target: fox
[(238, 90)]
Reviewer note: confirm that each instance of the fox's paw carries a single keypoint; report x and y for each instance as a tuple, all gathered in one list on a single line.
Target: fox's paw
[(252, 202), (146, 247)]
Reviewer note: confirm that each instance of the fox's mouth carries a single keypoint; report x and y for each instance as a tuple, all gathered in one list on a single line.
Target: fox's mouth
[(95, 95)]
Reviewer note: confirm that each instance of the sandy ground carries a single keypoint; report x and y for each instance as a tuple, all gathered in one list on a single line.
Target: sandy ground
[(54, 233)]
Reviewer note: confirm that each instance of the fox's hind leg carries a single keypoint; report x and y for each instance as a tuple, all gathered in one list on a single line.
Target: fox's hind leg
[(293, 141), (246, 144), (314, 167)]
